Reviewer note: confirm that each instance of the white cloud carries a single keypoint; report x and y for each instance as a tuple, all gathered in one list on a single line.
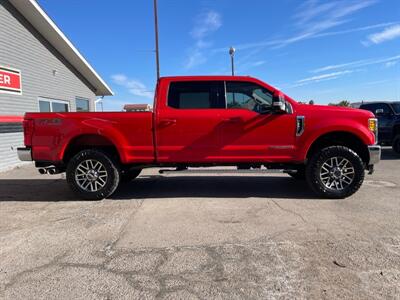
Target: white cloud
[(309, 10), (358, 63), (391, 63), (315, 17), (135, 87), (258, 63), (313, 21), (205, 25), (387, 34), (325, 76), (195, 58)]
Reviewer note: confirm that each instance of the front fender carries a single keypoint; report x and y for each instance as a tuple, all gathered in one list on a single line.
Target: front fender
[(305, 141)]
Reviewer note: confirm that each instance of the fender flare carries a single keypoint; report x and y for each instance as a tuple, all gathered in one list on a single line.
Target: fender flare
[(360, 132)]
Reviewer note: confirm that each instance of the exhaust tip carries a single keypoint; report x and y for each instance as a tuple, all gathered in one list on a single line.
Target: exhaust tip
[(51, 171), (42, 171)]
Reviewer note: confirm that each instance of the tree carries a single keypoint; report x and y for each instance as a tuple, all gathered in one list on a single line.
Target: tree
[(344, 103)]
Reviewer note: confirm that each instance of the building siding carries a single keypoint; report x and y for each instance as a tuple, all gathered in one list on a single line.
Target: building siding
[(23, 48), (8, 149)]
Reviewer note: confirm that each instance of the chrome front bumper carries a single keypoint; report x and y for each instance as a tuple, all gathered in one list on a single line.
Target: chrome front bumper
[(374, 154), (24, 154)]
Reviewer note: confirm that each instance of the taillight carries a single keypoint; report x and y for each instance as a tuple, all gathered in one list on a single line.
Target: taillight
[(28, 131)]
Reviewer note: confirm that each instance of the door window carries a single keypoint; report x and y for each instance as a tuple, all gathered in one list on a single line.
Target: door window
[(51, 105), (196, 95), (247, 95)]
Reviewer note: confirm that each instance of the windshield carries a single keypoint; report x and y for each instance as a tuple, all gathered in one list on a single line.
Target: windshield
[(396, 107)]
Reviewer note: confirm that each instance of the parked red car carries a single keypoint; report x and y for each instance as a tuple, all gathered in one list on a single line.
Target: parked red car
[(207, 121)]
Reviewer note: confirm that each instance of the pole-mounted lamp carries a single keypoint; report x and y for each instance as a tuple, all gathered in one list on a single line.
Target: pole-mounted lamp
[(232, 54)]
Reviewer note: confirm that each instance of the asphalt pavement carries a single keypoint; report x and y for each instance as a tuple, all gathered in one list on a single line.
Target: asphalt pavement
[(200, 236)]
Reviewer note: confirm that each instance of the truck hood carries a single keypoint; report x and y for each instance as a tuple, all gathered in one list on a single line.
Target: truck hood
[(306, 108)]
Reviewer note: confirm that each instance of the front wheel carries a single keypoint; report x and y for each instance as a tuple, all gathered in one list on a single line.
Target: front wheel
[(92, 175), (335, 172)]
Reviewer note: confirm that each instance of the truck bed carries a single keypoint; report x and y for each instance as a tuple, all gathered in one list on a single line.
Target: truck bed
[(130, 132)]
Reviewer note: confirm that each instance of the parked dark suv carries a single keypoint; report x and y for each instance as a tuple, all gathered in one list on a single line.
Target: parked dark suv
[(388, 114)]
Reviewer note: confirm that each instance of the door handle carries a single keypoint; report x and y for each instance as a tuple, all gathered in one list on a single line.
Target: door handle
[(232, 120), (168, 122)]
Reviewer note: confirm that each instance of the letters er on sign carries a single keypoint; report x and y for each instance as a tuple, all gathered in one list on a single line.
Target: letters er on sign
[(10, 81)]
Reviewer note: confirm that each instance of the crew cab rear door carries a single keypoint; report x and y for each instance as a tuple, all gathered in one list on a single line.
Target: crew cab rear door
[(188, 120), (251, 133)]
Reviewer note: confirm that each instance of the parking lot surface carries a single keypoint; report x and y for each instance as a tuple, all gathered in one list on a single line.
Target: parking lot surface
[(200, 236)]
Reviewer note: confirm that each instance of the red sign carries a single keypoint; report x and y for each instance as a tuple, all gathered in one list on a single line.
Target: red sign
[(10, 81)]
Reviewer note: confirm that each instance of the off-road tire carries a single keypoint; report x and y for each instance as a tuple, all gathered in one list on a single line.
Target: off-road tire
[(111, 182), (299, 173), (314, 169), (129, 175), (396, 144)]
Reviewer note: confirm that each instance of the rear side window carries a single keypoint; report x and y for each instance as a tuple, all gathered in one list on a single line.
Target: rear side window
[(196, 95)]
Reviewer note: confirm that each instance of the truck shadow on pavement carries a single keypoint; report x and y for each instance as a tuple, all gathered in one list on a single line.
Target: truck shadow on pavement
[(144, 187), (180, 186), (389, 154)]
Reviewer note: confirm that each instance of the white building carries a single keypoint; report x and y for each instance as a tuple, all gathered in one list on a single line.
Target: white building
[(40, 70)]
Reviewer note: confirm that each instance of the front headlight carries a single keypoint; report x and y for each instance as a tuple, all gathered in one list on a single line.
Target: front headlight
[(373, 126)]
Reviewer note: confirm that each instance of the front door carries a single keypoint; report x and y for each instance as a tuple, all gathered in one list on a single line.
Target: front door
[(188, 125), (249, 131)]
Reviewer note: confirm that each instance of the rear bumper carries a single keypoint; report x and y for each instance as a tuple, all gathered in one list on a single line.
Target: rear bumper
[(374, 154), (24, 154)]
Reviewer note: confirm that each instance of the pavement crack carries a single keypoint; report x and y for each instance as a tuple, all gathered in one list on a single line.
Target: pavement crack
[(54, 262), (109, 248), (290, 211)]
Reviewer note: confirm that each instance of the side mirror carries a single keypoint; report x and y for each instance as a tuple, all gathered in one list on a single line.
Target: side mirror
[(381, 112), (278, 103)]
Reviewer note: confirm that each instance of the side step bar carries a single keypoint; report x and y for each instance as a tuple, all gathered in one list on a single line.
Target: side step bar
[(224, 171)]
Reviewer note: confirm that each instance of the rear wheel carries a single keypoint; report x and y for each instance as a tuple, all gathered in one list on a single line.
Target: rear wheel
[(335, 172), (396, 144), (92, 175)]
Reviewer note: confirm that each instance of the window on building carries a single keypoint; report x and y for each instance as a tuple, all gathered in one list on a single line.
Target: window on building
[(196, 95), (247, 95), (82, 104), (51, 105), (44, 106)]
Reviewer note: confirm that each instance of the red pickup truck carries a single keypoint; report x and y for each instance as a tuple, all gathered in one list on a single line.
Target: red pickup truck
[(204, 121)]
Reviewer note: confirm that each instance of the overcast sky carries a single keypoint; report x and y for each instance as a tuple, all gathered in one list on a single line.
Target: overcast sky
[(322, 50)]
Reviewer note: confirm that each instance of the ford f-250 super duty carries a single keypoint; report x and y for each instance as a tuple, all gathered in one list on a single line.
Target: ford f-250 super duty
[(207, 121)]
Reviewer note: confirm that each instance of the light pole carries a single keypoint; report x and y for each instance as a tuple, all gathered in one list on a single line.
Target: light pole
[(156, 35), (232, 54)]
